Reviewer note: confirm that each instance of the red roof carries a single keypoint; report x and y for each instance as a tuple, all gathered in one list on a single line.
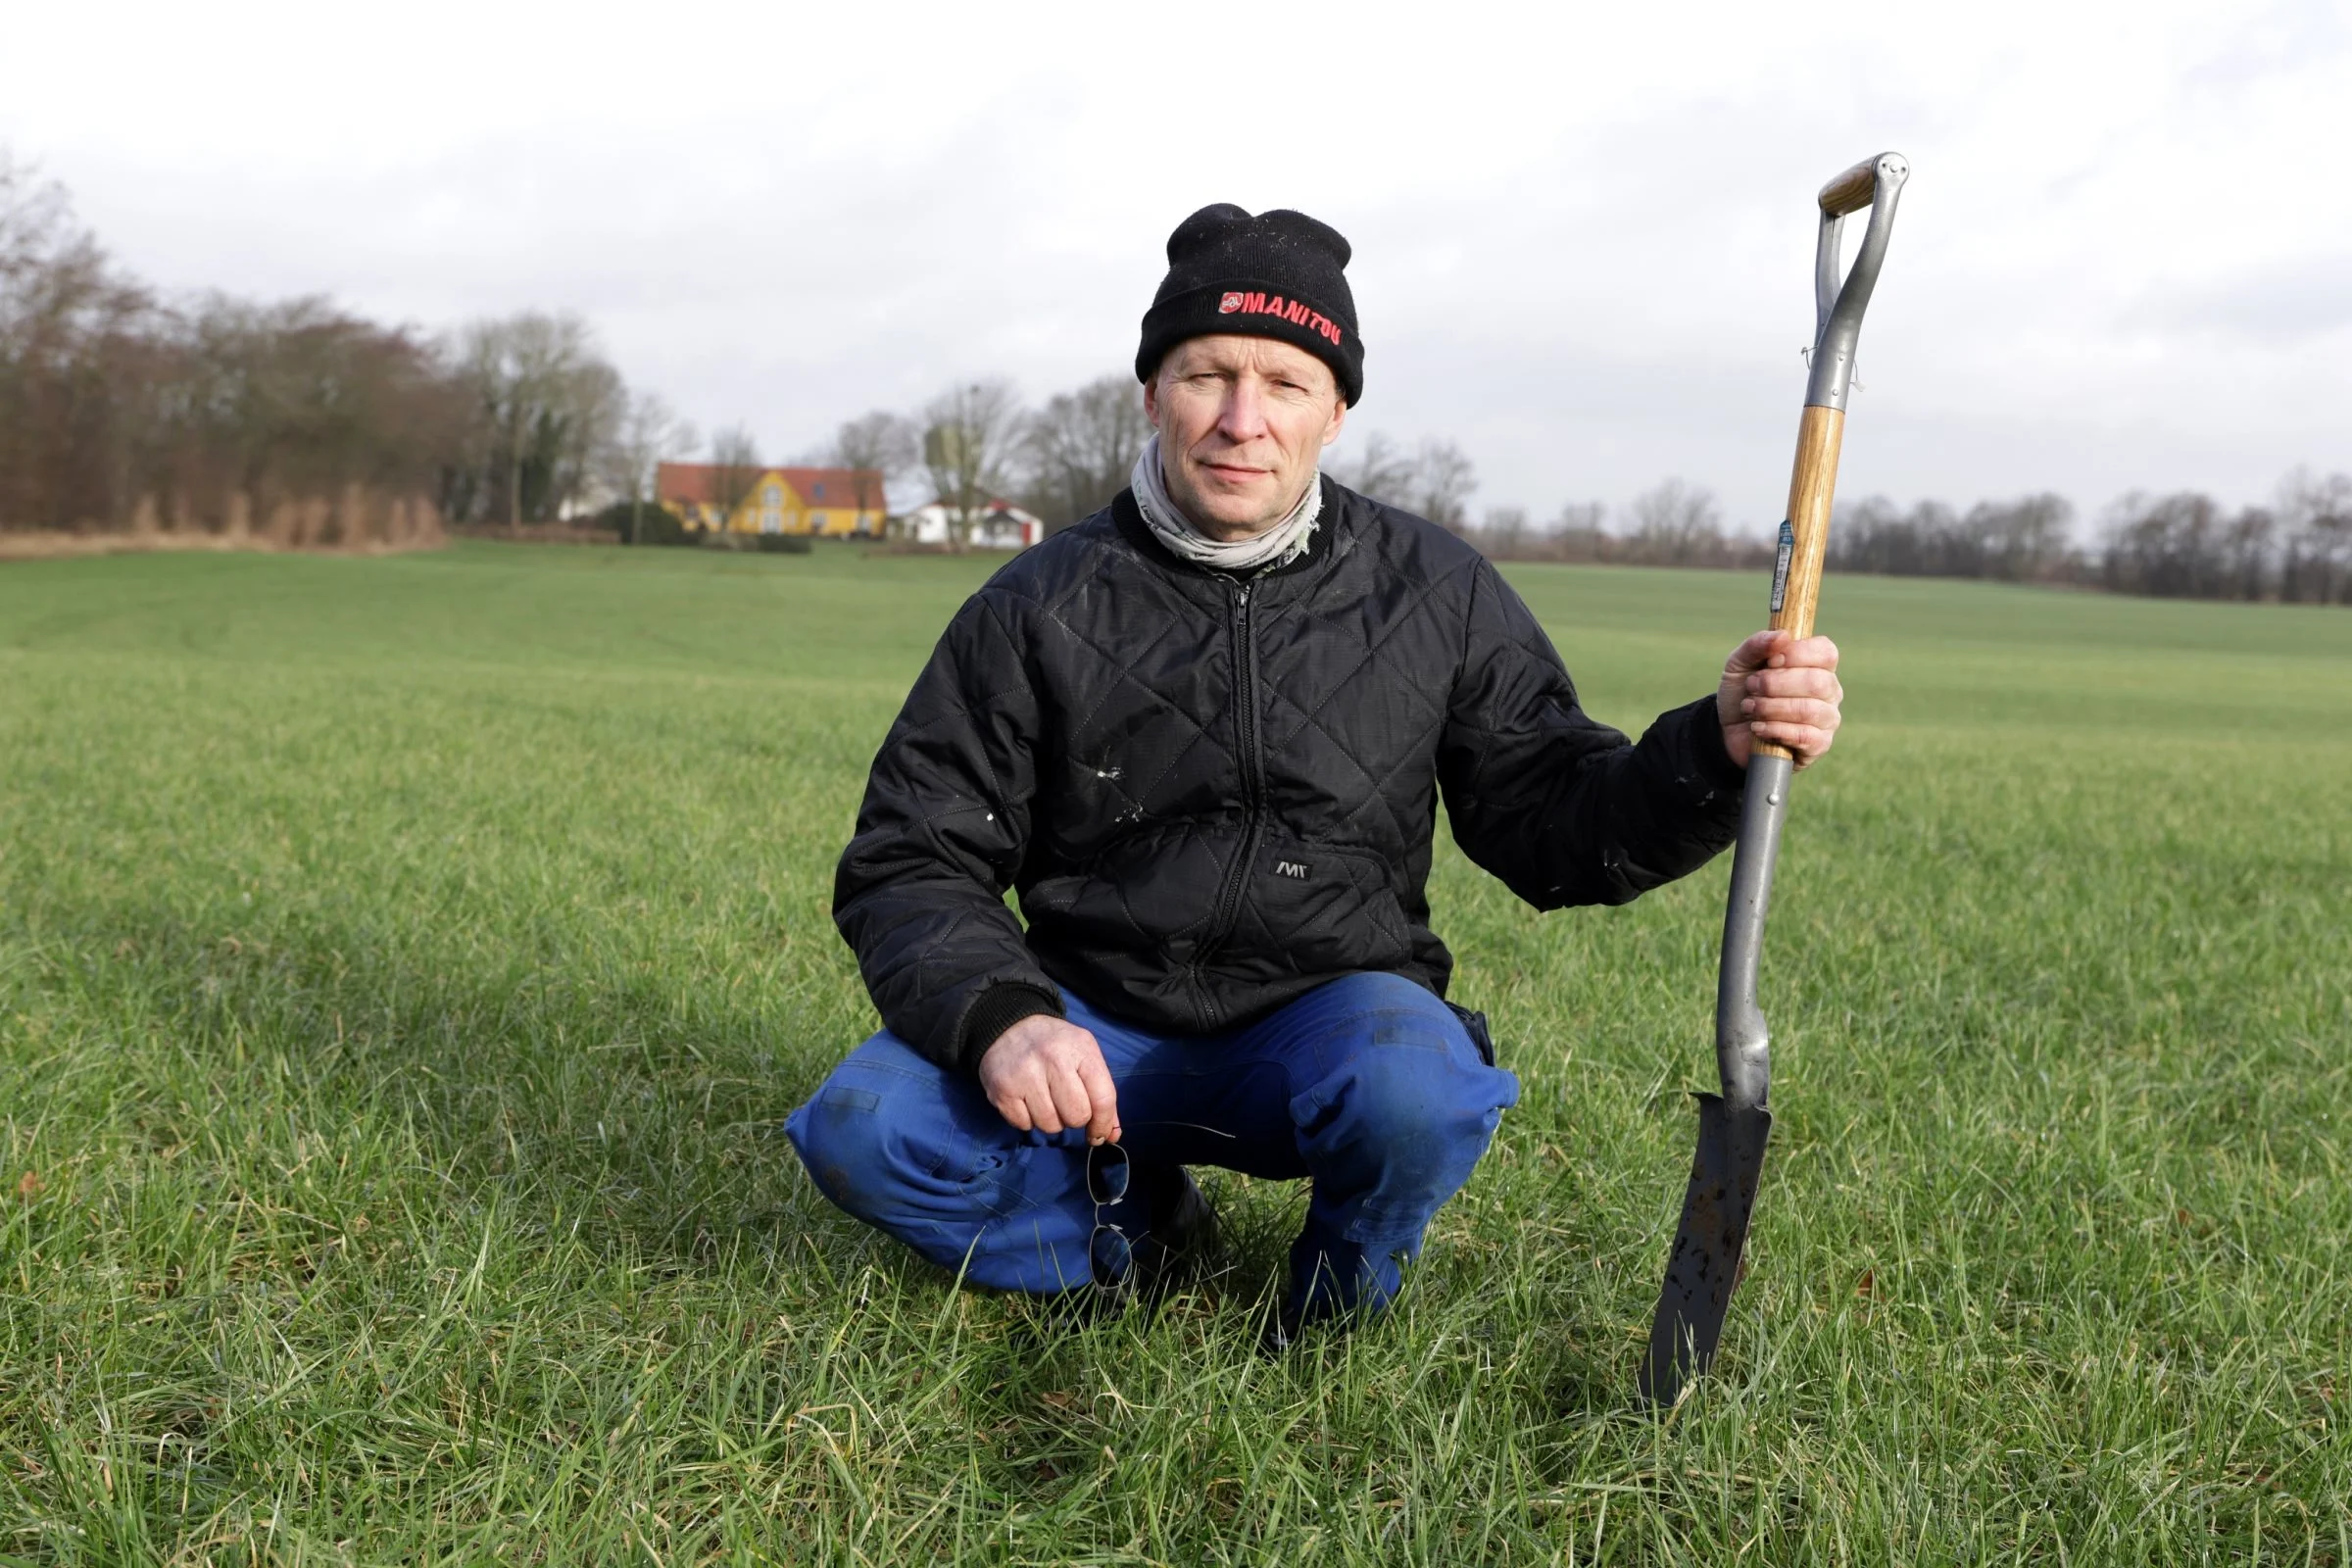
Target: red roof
[(698, 482)]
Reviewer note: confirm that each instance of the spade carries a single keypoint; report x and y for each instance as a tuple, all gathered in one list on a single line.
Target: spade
[(1703, 1268)]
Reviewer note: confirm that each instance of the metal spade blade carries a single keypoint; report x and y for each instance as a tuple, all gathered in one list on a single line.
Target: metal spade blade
[(1704, 1265)]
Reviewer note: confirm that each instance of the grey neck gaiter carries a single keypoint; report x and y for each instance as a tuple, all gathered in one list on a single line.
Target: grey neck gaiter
[(1283, 543)]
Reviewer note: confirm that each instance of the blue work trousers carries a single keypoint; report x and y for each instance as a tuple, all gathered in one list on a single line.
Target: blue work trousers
[(1369, 1087)]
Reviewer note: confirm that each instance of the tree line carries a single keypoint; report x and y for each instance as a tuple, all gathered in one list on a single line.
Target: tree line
[(2298, 549), (299, 421), (2185, 545), (2180, 545), (296, 420), (303, 423)]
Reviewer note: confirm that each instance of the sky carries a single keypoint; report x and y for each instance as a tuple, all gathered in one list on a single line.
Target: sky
[(1583, 235)]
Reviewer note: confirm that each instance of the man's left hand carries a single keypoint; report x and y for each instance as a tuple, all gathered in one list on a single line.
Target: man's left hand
[(1782, 689)]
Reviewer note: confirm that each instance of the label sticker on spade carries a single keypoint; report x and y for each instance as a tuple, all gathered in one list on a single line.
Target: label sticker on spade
[(1780, 568)]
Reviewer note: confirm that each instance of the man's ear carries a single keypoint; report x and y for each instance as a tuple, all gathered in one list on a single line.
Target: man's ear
[(1151, 397), (1339, 417)]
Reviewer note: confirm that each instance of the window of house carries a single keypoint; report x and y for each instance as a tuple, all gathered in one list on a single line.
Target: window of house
[(775, 496)]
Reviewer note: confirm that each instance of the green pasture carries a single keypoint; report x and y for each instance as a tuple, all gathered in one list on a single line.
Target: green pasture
[(406, 963)]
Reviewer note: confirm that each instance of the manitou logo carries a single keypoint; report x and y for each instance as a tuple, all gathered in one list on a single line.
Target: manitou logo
[(1243, 302)]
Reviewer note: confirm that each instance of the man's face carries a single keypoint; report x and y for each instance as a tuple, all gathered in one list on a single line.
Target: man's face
[(1243, 423)]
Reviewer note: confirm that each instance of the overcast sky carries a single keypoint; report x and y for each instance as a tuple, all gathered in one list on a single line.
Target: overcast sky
[(1583, 234)]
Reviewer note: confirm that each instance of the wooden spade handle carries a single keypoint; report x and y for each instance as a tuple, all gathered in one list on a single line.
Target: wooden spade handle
[(1796, 574)]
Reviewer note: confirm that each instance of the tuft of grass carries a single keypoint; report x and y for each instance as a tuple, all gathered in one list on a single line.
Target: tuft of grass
[(404, 964)]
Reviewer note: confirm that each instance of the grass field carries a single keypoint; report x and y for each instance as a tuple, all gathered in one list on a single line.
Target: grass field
[(404, 964)]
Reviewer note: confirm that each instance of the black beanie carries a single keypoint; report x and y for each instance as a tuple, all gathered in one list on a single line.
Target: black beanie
[(1278, 274)]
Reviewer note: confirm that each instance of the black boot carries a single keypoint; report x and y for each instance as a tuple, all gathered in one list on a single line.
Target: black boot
[(1181, 1228)]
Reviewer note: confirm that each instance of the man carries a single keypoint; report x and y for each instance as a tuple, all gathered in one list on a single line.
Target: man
[(1203, 735)]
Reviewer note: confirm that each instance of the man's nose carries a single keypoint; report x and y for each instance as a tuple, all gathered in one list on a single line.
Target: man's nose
[(1244, 416)]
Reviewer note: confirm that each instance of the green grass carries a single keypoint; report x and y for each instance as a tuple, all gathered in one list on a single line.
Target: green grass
[(404, 964)]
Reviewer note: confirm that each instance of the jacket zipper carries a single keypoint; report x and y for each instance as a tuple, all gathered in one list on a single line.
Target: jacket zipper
[(1229, 897)]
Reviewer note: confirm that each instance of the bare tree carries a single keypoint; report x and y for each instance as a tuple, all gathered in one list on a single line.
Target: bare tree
[(274, 402), (1444, 480), (73, 338), (1578, 531), (1079, 450), (969, 432), (735, 469), (1878, 536), (2316, 514), (1505, 532), (876, 448), (2167, 546), (1380, 470), (649, 430), (2024, 540), (547, 406), (1435, 480), (2246, 553), (1677, 523)]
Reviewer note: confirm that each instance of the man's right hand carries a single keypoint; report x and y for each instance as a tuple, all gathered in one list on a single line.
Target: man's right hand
[(1046, 1073)]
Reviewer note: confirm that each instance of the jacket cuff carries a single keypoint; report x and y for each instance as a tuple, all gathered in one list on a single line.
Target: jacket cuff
[(1715, 764), (997, 1009)]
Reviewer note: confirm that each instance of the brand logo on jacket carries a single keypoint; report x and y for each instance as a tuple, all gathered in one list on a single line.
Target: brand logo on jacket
[(1244, 302), (1295, 870)]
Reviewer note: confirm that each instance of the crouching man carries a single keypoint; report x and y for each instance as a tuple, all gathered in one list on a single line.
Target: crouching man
[(1203, 735)]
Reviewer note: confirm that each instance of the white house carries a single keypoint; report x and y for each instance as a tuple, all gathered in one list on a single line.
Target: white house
[(1003, 526)]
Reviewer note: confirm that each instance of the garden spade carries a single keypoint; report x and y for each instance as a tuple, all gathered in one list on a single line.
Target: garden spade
[(1704, 1265)]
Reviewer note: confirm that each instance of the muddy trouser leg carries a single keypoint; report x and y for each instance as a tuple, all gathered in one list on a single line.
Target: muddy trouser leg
[(1393, 1103)]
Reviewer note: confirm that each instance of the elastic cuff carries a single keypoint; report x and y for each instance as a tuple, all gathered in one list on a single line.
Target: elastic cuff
[(997, 1009), (1714, 762)]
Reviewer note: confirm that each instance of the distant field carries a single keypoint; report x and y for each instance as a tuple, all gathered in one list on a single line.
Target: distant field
[(405, 964)]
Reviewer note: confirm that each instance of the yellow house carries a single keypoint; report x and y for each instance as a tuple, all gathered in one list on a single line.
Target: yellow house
[(836, 503)]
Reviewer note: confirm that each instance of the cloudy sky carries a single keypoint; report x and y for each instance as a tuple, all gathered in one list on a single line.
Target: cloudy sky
[(1583, 234)]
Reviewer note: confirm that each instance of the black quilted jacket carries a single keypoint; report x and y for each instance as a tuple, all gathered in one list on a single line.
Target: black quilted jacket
[(1214, 793)]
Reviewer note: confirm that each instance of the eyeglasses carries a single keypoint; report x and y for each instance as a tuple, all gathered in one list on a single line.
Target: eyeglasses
[(1108, 1250)]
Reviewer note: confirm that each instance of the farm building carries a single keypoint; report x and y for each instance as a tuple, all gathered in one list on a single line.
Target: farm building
[(842, 502), (1003, 526)]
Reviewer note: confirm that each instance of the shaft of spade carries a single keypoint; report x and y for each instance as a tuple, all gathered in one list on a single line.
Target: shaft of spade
[(1742, 1042)]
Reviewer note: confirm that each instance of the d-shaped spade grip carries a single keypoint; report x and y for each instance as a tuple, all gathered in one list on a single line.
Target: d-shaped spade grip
[(1837, 305)]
